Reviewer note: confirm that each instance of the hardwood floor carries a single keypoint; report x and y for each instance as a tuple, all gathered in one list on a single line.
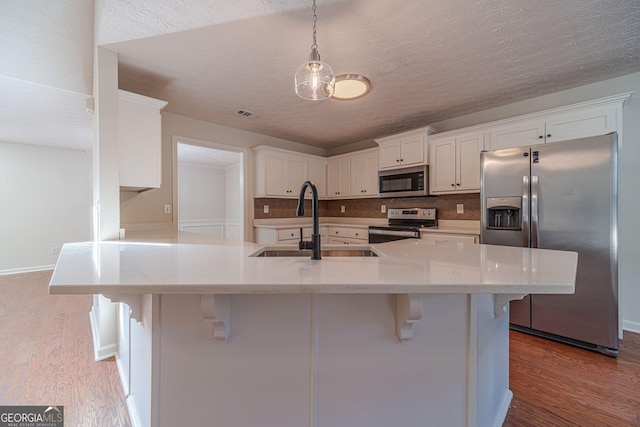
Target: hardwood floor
[(558, 385), (46, 355)]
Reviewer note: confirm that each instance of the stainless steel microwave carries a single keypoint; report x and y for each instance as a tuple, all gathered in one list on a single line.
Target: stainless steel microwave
[(405, 182)]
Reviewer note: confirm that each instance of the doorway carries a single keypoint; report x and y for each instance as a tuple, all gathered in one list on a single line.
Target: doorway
[(209, 191)]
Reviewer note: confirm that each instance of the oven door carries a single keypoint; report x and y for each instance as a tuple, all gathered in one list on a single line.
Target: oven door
[(389, 234)]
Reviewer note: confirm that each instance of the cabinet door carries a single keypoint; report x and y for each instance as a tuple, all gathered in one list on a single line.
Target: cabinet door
[(296, 175), (468, 150), (139, 141), (412, 150), (277, 180), (442, 171), (389, 155), (581, 124), (518, 135), (370, 178), (357, 176), (318, 175), (338, 178)]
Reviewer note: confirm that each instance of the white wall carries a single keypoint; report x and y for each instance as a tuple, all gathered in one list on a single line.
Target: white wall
[(210, 200), (201, 192), (46, 201), (234, 203), (628, 173)]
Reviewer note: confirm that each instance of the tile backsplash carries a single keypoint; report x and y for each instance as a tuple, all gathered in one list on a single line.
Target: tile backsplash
[(446, 206)]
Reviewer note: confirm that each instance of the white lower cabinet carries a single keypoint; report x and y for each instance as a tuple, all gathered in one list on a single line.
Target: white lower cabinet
[(348, 235), (288, 235), (445, 238)]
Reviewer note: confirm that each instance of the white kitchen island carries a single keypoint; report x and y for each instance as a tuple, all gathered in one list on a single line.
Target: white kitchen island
[(417, 336)]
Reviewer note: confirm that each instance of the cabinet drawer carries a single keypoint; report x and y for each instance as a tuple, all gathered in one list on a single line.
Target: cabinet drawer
[(338, 232), (288, 233), (307, 231), (358, 233)]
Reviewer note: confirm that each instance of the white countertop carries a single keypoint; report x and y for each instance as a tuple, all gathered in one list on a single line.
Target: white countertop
[(226, 267)]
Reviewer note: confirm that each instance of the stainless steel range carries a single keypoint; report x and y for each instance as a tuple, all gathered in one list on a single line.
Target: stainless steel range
[(404, 223)]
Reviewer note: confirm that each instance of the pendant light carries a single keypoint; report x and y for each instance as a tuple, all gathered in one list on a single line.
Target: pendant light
[(314, 79)]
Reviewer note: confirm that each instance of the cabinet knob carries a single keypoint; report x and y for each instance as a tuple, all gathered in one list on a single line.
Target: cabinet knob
[(548, 135), (401, 160), (458, 184), (453, 185), (541, 136), (398, 160), (357, 234)]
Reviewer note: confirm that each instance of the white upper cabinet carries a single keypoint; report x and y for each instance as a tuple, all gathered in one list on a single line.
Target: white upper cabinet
[(364, 173), (518, 135), (403, 150), (140, 141), (339, 177), (598, 117), (455, 163), (317, 173), (581, 124), (280, 173)]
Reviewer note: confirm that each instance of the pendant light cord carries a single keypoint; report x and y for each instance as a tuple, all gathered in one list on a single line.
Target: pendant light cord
[(315, 19)]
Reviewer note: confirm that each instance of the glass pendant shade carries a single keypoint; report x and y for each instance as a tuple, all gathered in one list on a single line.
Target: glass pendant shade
[(315, 80)]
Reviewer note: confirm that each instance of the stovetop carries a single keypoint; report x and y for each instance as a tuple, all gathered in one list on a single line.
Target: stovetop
[(409, 219)]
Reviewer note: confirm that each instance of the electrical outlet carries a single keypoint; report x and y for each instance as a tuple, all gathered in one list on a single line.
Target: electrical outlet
[(342, 209), (266, 208), (383, 209), (460, 208), (167, 209), (54, 250)]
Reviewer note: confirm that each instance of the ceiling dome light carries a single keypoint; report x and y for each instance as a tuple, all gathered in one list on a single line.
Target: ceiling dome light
[(351, 86), (314, 79)]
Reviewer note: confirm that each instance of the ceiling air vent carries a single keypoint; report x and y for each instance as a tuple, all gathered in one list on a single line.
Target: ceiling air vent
[(245, 113)]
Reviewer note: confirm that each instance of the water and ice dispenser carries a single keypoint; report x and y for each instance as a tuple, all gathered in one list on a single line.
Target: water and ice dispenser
[(504, 213)]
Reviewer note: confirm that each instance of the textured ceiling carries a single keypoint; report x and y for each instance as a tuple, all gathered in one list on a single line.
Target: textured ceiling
[(427, 60)]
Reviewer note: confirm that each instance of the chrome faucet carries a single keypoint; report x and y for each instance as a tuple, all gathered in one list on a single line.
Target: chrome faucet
[(314, 244)]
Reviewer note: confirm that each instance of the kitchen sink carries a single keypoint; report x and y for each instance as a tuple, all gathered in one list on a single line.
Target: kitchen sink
[(291, 251)]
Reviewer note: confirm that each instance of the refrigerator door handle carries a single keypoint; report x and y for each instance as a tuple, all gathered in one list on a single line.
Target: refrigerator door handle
[(534, 210), (525, 211)]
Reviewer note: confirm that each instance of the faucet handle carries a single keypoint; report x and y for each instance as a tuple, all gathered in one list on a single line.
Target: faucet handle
[(302, 245)]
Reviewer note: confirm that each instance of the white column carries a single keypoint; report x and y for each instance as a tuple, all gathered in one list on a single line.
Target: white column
[(106, 188)]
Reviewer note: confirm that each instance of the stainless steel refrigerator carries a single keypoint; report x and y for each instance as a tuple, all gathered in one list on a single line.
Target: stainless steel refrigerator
[(562, 196)]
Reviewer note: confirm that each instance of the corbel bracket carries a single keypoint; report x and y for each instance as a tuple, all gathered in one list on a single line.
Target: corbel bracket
[(408, 312), (216, 309), (500, 302), (134, 301)]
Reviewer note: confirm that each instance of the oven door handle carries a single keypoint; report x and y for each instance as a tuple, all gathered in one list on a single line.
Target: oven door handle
[(394, 233)]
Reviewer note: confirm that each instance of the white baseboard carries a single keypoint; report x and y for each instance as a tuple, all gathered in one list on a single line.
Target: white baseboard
[(631, 326), (26, 269), (133, 413), (100, 352), (504, 408)]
